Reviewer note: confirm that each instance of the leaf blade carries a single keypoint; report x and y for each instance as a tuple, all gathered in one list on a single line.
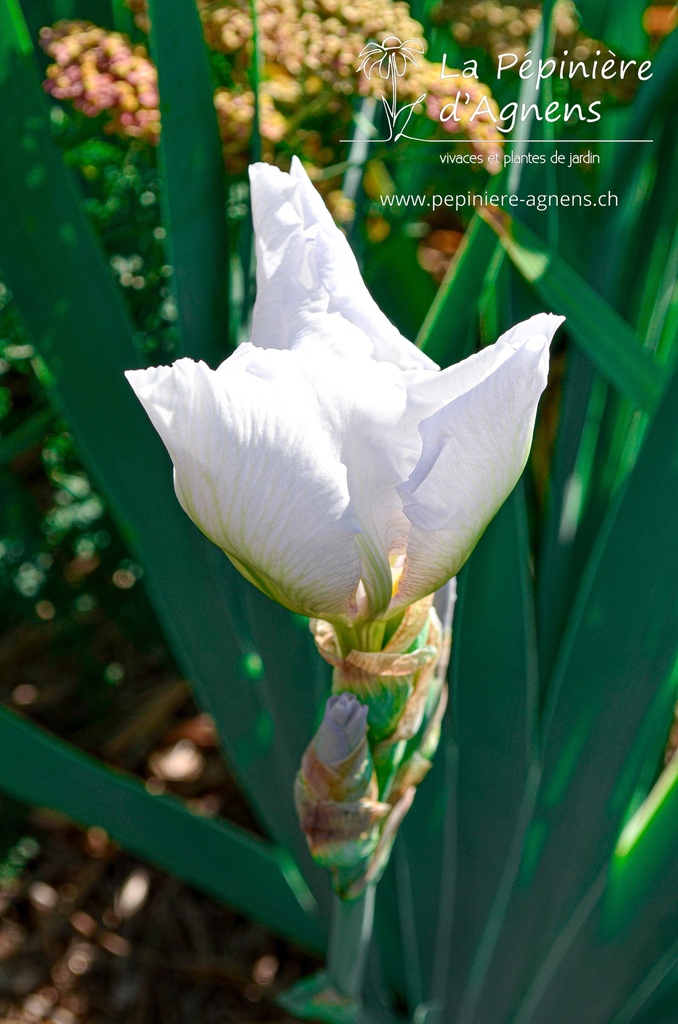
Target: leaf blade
[(193, 194), (85, 337), (261, 880), (596, 327)]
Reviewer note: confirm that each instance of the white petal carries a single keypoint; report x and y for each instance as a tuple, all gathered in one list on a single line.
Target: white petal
[(474, 450), (363, 407), (257, 473), (429, 391), (304, 261)]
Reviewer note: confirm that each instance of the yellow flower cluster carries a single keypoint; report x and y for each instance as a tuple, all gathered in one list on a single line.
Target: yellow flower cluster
[(310, 51), (235, 114), (139, 9), (496, 27), (507, 28), (101, 72), (314, 42)]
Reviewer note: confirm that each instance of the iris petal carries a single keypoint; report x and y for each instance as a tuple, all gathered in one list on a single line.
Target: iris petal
[(259, 478), (474, 449), (304, 261)]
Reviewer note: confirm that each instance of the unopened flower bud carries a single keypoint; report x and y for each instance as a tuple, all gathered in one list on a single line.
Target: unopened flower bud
[(342, 729), (337, 765), (336, 792)]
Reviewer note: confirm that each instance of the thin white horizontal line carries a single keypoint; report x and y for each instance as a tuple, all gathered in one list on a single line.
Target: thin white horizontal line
[(493, 142), (557, 142)]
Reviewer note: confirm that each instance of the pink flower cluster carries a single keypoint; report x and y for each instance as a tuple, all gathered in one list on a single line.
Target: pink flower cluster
[(101, 72)]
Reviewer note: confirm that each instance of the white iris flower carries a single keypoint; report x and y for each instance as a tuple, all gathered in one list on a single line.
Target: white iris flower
[(337, 466)]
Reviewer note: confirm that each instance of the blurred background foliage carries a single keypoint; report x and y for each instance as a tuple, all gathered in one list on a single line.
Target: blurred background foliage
[(533, 880)]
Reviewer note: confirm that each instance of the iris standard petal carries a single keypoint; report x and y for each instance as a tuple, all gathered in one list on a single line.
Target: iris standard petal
[(258, 475), (303, 260), (474, 449), (359, 405)]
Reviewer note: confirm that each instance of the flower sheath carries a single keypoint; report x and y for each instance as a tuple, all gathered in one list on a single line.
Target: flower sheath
[(351, 797)]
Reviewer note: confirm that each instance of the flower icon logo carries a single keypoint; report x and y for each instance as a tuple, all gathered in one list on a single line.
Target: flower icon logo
[(389, 57)]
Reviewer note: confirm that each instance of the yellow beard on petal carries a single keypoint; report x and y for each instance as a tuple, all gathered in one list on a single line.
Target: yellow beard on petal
[(396, 560)]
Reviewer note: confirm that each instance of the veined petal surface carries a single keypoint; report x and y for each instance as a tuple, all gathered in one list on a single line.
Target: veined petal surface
[(254, 471), (474, 449)]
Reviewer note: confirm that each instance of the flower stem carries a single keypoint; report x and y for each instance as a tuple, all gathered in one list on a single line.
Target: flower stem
[(366, 636), (350, 937)]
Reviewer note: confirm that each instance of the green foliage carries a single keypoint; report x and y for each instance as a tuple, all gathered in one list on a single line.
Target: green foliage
[(535, 876), (194, 194), (448, 331), (82, 322), (620, 28), (262, 881)]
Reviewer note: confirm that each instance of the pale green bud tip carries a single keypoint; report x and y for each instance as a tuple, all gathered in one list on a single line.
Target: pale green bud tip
[(342, 729)]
